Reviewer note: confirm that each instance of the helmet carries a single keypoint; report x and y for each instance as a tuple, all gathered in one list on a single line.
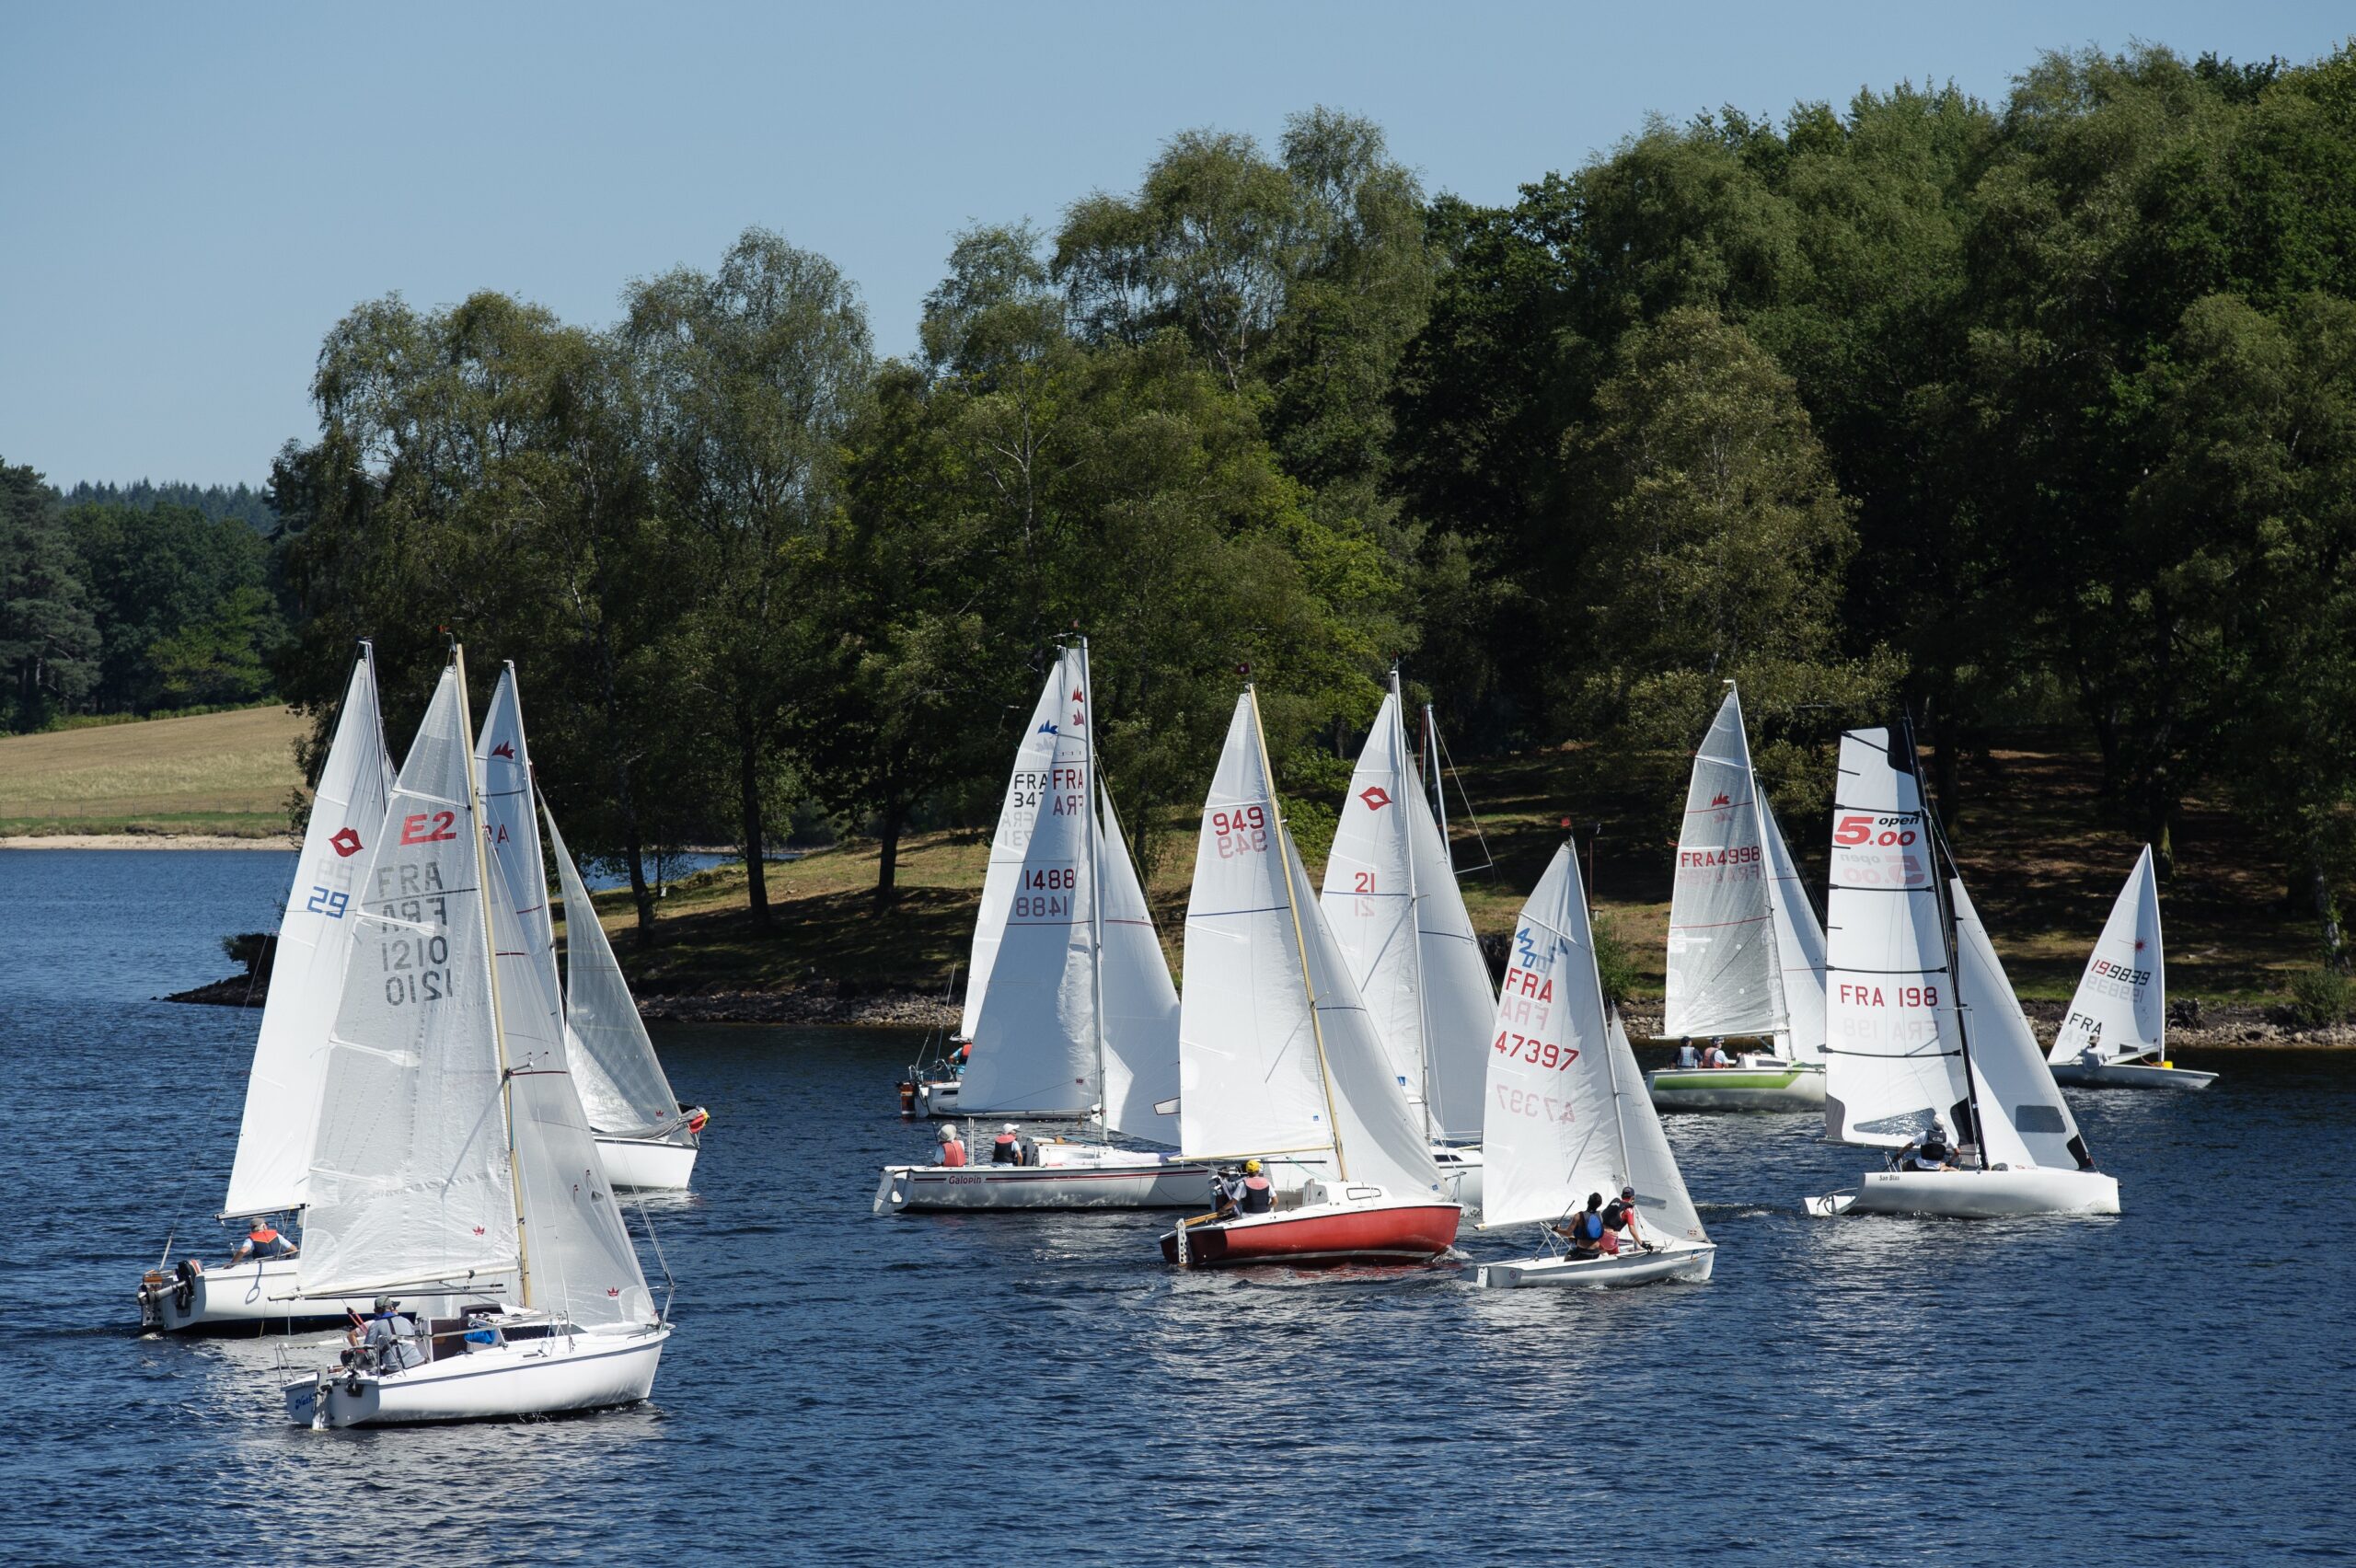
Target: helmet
[(1251, 1167)]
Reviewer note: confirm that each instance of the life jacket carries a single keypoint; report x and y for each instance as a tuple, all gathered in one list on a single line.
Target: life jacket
[(1616, 1214), (1006, 1150), (1587, 1226), (953, 1152), (1258, 1196), (1687, 1056), (266, 1236)]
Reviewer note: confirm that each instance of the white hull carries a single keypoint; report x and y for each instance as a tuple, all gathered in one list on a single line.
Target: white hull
[(646, 1165), (1782, 1088), (1690, 1263), (257, 1297), (1975, 1194), (2128, 1075), (1076, 1177), (939, 1099), (1459, 1173), (536, 1377)]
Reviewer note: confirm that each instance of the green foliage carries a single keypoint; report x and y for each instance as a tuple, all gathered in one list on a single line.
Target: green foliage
[(49, 639), (182, 602), (2320, 997), (1615, 964)]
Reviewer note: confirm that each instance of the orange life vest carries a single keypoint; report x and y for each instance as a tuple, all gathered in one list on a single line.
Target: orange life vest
[(953, 1153)]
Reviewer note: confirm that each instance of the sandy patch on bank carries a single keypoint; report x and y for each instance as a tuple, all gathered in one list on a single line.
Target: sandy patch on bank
[(147, 841)]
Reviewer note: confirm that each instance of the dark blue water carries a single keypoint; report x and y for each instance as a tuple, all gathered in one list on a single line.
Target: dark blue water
[(2169, 1387)]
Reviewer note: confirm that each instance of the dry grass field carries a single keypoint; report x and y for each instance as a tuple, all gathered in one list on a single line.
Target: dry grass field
[(215, 773)]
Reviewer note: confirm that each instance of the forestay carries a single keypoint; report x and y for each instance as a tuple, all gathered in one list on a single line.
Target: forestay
[(271, 1170), (2120, 1011), (1025, 786), (615, 1070), (410, 1179), (1392, 901), (1725, 977), (1140, 1003), (1033, 1029), (1799, 945), (1894, 1057), (2023, 1118)]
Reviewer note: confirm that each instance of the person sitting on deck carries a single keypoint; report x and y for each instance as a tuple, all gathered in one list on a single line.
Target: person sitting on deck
[(1254, 1194), (262, 1241), (1687, 1057), (1715, 1056), (1006, 1148), (958, 1063), (1931, 1154), (953, 1147), (388, 1341), (1585, 1231), (1620, 1215)]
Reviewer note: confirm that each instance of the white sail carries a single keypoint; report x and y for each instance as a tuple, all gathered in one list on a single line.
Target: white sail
[(531, 1000), (1724, 974), (1661, 1198), (1033, 1029), (1549, 1133), (1894, 1058), (1799, 944), (615, 1070), (1140, 1003), (2121, 1010), (1249, 1038), (2023, 1118), (1391, 901), (272, 1166), (1027, 787), (410, 1176)]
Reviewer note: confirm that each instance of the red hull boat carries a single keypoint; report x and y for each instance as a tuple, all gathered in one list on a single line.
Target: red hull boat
[(1373, 1228)]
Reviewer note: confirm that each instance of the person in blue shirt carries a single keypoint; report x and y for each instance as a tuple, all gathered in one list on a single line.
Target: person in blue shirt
[(262, 1241)]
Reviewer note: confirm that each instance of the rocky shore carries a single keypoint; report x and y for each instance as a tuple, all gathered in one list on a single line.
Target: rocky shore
[(2191, 1024)]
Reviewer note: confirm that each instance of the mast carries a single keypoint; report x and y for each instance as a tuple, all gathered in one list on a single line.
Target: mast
[(1415, 910), (490, 964), (1089, 793), (1935, 841), (1301, 942)]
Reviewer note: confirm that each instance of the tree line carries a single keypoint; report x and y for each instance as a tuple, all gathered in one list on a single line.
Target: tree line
[(2038, 411)]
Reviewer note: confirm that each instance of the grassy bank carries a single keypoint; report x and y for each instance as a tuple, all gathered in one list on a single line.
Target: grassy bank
[(2043, 861), (216, 773)]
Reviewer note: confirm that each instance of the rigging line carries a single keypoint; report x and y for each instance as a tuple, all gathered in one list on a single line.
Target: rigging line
[(1448, 763)]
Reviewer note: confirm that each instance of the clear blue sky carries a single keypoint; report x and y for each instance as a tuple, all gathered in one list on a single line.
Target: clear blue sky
[(190, 195)]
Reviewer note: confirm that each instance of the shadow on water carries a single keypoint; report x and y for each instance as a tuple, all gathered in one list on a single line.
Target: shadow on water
[(2166, 1386)]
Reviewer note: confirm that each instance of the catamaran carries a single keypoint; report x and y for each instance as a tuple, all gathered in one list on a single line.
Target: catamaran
[(1567, 1112), (1746, 955), (646, 1139), (269, 1176), (1392, 901), (2115, 1034), (1925, 1033), (1072, 999), (1278, 1057), (453, 1160)]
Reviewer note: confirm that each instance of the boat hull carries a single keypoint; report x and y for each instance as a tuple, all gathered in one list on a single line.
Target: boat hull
[(1689, 1263), (1796, 1088), (1459, 1173), (1118, 1179), (542, 1376), (256, 1299), (2128, 1075), (647, 1165), (1975, 1194), (1364, 1225)]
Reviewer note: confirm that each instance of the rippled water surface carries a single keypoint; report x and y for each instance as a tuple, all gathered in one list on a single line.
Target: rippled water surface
[(2171, 1386)]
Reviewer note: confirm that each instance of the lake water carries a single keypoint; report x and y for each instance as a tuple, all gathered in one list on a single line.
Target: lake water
[(2169, 1387)]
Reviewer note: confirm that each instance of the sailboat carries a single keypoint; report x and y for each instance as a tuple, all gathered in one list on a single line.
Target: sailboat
[(1071, 999), (646, 1139), (452, 1156), (2115, 1034), (1925, 1032), (269, 1174), (1277, 1055), (1392, 901), (1746, 955), (1567, 1113)]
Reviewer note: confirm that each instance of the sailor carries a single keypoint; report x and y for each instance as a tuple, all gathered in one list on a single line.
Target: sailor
[(1006, 1148), (1687, 1056), (1586, 1229), (1620, 1215), (389, 1342), (1254, 1194), (957, 1063), (262, 1241), (953, 1147), (1932, 1153), (1715, 1056)]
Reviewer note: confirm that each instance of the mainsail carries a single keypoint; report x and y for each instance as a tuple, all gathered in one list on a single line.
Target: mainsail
[(1140, 1004), (1392, 901), (1724, 975), (2121, 1010), (1277, 1052), (1894, 1052), (271, 1170), (1029, 1006)]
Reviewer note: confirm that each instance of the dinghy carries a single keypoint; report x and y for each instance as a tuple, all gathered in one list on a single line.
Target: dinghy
[(2115, 1034), (1925, 1033), (1746, 955), (646, 1139), (1567, 1113), (1074, 1001), (1392, 901), (269, 1177), (1277, 1056), (452, 1156)]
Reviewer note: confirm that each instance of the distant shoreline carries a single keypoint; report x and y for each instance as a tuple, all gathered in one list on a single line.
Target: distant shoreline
[(148, 841)]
